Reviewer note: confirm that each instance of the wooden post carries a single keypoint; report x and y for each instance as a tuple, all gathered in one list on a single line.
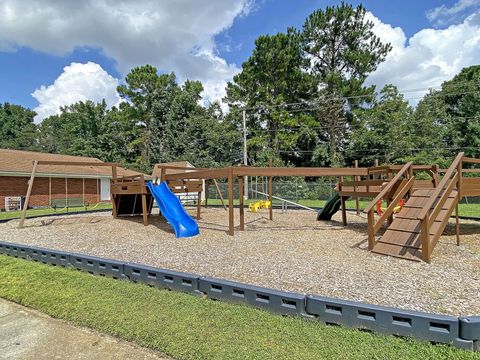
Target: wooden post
[(457, 225), (270, 193), (425, 238), (199, 204), (435, 175), (240, 203), (344, 211), (207, 185), (114, 172), (144, 201), (231, 230), (460, 180), (371, 230), (144, 209), (29, 192), (357, 202)]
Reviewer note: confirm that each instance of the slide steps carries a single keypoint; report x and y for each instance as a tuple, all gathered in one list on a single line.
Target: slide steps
[(402, 237)]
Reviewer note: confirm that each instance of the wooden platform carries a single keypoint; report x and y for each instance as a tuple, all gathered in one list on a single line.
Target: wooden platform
[(402, 237)]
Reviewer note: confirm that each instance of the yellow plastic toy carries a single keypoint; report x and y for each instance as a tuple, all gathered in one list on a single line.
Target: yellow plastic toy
[(254, 207), (266, 204)]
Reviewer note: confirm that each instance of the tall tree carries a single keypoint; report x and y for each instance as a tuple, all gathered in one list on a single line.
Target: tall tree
[(461, 99), (17, 129), (75, 130), (379, 132), (151, 96), (271, 77), (342, 51)]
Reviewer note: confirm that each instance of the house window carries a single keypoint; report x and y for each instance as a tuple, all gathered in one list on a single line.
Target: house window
[(104, 189)]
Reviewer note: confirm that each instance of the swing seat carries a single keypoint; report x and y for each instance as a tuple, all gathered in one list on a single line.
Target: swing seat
[(68, 203), (266, 204)]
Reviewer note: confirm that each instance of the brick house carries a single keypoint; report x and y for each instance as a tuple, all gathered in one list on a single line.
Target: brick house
[(53, 183)]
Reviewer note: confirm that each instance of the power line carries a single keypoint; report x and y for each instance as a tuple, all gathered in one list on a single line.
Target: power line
[(339, 97)]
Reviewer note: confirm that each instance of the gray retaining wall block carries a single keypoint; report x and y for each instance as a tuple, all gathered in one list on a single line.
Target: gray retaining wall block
[(387, 320), (470, 330), (162, 278), (50, 257), (98, 266), (280, 302), (15, 250)]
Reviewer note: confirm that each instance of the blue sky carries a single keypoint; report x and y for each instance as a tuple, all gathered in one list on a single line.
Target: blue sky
[(207, 40)]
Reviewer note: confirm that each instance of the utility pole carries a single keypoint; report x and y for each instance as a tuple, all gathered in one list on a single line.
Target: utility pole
[(245, 158)]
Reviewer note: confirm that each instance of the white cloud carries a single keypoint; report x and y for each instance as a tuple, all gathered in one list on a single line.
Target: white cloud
[(78, 82), (173, 35), (442, 15), (429, 57)]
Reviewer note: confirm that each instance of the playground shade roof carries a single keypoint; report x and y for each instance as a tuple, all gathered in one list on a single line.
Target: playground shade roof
[(20, 163)]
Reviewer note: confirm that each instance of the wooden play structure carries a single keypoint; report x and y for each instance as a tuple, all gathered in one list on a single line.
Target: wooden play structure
[(426, 207), (412, 234)]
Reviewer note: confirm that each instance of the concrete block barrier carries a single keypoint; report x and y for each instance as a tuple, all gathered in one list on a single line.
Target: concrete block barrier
[(162, 278), (15, 250), (98, 266), (387, 320), (470, 330), (50, 257), (280, 302)]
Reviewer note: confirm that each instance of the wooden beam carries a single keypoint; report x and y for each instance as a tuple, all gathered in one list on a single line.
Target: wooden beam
[(29, 193)]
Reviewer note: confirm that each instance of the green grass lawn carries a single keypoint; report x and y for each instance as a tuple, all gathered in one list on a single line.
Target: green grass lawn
[(189, 327), (472, 210), (48, 211)]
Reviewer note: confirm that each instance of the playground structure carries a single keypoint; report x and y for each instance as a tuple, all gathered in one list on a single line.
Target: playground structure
[(417, 226), (412, 234)]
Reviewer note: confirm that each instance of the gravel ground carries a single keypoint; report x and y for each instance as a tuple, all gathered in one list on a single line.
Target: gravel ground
[(294, 253)]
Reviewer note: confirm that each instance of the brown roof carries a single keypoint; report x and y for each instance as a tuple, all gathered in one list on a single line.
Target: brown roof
[(179, 164), (18, 161)]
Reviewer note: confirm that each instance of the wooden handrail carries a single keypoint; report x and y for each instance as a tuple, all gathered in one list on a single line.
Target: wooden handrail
[(378, 169), (443, 199), (386, 190), (453, 167)]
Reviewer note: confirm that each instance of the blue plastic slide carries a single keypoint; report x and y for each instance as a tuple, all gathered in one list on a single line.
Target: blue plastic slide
[(172, 209)]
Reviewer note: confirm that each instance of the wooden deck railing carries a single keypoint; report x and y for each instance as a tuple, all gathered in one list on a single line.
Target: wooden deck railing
[(429, 212), (396, 185)]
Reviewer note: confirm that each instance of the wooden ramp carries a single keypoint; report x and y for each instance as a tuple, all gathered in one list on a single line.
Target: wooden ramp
[(402, 237)]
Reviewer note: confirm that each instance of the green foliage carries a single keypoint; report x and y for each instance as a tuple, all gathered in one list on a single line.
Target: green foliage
[(460, 98), (380, 132), (17, 130), (187, 327)]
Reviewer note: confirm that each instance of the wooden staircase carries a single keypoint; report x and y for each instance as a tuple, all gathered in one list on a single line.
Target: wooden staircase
[(416, 229), (402, 237)]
